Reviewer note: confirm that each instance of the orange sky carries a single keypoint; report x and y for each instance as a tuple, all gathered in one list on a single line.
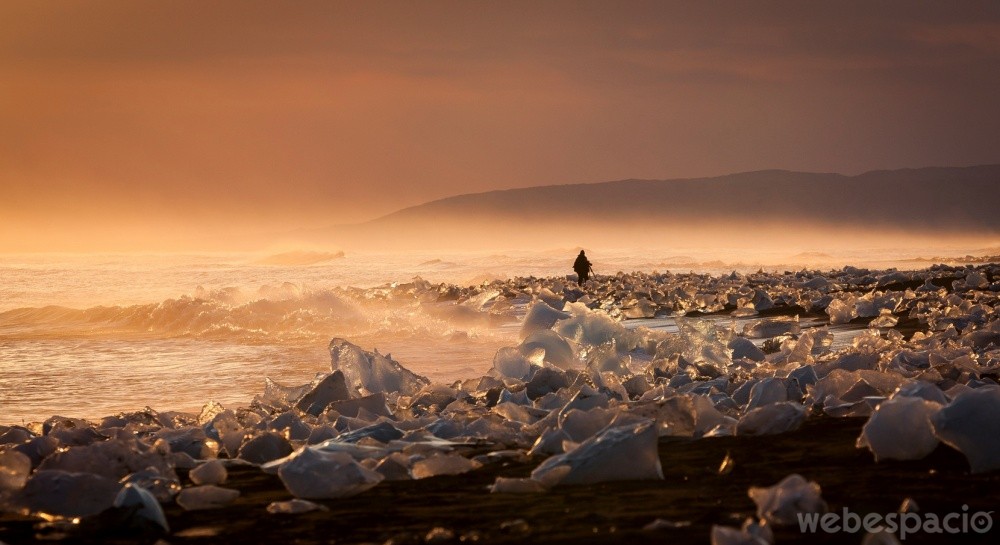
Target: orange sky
[(124, 123)]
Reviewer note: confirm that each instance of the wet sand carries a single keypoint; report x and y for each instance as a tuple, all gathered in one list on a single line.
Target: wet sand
[(693, 496)]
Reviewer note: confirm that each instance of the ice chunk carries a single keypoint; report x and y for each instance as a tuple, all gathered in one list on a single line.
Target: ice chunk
[(772, 419), (772, 327), (923, 390), (674, 416), (228, 430), (781, 503), (210, 472), (113, 459), (371, 372), (14, 470), (394, 467), (581, 425), (294, 507), (842, 310), (554, 349), (330, 389), (374, 404), (14, 435), (705, 343), (509, 362), (207, 496), (900, 429), (265, 447), (162, 487), (752, 533), (383, 432), (315, 474), (745, 348), (970, 425), (616, 454), (549, 442), (541, 316), (442, 464), (593, 328), (545, 380), (767, 391), (67, 494), (504, 485), (190, 440), (884, 319), (145, 504)]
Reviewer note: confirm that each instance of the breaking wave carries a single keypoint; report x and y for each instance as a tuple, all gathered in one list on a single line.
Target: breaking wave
[(277, 314)]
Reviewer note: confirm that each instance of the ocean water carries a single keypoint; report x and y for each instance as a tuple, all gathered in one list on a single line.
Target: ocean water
[(93, 335)]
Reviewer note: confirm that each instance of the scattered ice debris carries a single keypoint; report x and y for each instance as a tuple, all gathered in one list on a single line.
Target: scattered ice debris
[(780, 504), (900, 429), (206, 496), (294, 507), (583, 389), (970, 424)]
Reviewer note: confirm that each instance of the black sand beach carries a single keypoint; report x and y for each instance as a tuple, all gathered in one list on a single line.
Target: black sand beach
[(693, 497)]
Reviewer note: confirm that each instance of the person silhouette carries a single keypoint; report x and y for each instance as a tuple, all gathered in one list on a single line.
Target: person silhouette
[(582, 267)]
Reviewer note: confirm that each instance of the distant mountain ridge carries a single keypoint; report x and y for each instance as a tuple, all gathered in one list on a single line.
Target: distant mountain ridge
[(933, 197), (745, 210)]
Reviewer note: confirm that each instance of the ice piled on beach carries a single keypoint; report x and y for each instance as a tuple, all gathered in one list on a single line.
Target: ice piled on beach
[(582, 396), (783, 503)]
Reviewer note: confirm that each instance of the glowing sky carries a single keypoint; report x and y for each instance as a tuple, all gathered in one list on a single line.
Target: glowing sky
[(134, 122)]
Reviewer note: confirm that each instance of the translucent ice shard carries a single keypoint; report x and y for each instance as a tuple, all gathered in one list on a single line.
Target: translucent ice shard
[(68, 494), (616, 454), (314, 474), (371, 372), (554, 348), (781, 503), (772, 419), (265, 447), (145, 504), (504, 485), (294, 507), (541, 316), (751, 533), (14, 470), (510, 363), (330, 389), (210, 472), (442, 464), (745, 348), (766, 392), (970, 425), (841, 311), (206, 496), (113, 459), (900, 429), (772, 327)]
